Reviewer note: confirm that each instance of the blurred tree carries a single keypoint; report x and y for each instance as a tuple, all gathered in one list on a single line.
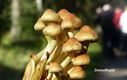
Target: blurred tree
[(15, 30), (39, 4)]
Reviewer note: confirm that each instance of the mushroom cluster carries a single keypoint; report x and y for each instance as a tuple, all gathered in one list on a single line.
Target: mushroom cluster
[(66, 52)]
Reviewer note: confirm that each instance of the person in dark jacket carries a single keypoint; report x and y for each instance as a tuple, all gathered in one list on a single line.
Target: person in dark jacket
[(108, 30)]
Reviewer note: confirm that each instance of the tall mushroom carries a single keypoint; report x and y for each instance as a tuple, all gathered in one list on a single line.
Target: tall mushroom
[(51, 30), (47, 18)]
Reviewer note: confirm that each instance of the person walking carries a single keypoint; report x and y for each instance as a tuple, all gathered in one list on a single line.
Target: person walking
[(108, 31), (116, 20), (123, 25)]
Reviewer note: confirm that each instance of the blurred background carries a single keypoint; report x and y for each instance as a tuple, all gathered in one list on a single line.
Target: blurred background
[(18, 39)]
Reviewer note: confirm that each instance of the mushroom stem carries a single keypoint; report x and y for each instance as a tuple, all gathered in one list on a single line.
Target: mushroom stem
[(30, 68), (39, 70), (51, 44), (62, 55), (32, 64), (55, 52), (70, 34), (49, 76), (41, 56), (67, 61), (56, 76), (49, 48), (53, 57), (67, 68)]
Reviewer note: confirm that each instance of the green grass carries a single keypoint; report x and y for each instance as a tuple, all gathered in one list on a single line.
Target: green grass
[(94, 52), (14, 58)]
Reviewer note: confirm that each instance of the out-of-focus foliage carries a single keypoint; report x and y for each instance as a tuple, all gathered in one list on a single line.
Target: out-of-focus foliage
[(4, 16), (28, 15)]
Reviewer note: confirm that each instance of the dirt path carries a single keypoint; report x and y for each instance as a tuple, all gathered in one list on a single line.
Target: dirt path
[(120, 73)]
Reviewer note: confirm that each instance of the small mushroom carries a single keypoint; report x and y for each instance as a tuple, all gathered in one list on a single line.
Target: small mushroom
[(71, 47), (54, 69), (81, 60), (52, 30), (76, 72), (67, 24), (63, 12), (50, 16), (39, 25), (86, 34), (75, 20), (71, 21)]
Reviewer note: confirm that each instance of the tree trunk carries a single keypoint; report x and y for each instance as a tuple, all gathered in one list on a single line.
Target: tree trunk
[(39, 4), (15, 30)]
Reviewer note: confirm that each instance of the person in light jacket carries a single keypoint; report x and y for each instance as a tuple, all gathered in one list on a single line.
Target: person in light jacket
[(123, 25)]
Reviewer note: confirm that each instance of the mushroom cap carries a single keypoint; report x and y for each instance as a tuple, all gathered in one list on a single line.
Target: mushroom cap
[(55, 67), (72, 45), (67, 24), (76, 21), (39, 25), (81, 60), (63, 12), (86, 34), (71, 21), (76, 72), (50, 16), (52, 30)]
